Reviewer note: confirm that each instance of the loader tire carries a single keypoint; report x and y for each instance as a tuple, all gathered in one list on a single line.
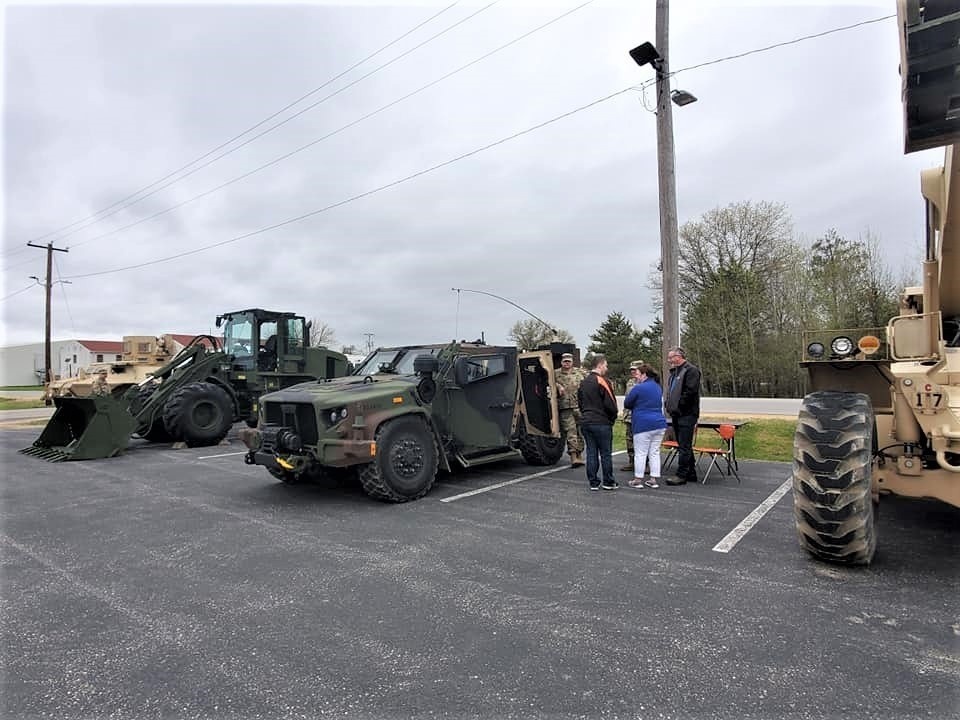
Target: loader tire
[(833, 505), (199, 414), (405, 467), (539, 450)]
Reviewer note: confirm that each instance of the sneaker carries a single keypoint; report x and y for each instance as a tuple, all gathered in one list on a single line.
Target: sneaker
[(594, 487), (611, 486), (676, 481), (652, 483), (636, 483)]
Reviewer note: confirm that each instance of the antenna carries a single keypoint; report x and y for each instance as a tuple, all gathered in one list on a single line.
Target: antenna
[(511, 302)]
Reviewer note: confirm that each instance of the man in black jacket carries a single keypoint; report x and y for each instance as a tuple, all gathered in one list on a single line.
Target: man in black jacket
[(598, 412), (682, 404)]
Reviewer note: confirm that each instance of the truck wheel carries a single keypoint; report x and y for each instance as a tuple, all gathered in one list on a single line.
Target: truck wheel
[(832, 475), (406, 464), (539, 450), (200, 414)]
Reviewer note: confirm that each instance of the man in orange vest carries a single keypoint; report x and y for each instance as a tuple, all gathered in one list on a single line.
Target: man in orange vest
[(598, 412)]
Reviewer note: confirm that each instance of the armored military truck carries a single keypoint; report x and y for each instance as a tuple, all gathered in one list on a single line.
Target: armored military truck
[(407, 412)]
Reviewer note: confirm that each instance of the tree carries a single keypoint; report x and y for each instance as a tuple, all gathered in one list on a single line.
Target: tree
[(321, 334), (531, 334), (619, 340)]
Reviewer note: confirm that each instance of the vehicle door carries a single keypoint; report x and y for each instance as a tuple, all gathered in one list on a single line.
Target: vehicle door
[(537, 394), (480, 401)]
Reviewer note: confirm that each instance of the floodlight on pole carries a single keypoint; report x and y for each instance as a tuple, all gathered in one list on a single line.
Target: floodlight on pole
[(682, 97)]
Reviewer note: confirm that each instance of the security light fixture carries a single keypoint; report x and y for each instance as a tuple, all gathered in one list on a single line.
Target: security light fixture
[(682, 97), (646, 53)]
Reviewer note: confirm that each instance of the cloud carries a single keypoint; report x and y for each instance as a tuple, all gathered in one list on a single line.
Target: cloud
[(564, 221)]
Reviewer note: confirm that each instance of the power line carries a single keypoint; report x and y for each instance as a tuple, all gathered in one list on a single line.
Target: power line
[(22, 290), (251, 128), (781, 44), (332, 133), (359, 196)]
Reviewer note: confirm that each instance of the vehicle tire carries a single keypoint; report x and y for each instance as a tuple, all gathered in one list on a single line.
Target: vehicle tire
[(405, 467), (539, 450), (157, 432), (833, 451), (200, 414)]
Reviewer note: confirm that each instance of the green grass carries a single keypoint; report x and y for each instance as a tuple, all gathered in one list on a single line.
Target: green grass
[(766, 439), (9, 404), (38, 388)]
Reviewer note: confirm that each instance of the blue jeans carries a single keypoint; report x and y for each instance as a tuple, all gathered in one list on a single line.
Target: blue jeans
[(599, 441), (683, 430)]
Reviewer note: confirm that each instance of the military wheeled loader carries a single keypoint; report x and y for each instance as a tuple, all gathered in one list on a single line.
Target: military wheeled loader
[(196, 397), (408, 412), (884, 414)]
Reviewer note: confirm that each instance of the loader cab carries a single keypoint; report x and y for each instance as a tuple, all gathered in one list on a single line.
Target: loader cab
[(264, 341)]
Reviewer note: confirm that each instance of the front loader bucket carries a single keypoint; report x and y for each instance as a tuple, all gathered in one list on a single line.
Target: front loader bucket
[(84, 429)]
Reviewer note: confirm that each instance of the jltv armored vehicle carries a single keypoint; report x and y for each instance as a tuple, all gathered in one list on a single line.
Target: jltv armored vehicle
[(408, 412)]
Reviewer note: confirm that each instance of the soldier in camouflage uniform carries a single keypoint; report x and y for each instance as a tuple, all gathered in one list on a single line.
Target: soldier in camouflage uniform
[(626, 419), (100, 386), (568, 381)]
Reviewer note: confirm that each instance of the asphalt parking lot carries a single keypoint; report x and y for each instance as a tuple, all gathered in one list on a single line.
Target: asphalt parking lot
[(184, 584)]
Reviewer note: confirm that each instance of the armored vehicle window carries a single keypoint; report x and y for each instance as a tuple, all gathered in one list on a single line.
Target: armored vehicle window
[(294, 337), (472, 369)]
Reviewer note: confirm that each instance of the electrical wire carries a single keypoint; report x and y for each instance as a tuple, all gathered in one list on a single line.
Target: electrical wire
[(329, 135), (22, 290), (63, 290), (254, 127), (359, 196)]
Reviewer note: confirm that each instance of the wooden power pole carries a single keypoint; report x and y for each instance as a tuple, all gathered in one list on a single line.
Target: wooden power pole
[(48, 283), (668, 188)]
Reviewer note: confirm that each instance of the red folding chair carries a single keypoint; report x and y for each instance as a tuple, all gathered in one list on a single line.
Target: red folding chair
[(724, 452), (672, 446)]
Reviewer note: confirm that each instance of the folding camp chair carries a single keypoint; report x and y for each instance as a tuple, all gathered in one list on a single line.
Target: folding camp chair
[(725, 452)]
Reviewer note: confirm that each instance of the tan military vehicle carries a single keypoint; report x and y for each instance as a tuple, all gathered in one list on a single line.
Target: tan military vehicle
[(884, 417), (141, 356)]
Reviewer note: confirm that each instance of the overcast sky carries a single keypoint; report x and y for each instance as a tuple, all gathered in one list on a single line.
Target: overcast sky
[(103, 101)]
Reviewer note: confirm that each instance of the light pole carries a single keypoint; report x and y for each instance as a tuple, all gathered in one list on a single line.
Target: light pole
[(666, 174)]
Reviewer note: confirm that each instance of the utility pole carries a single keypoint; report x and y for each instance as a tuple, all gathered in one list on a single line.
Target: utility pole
[(668, 188), (369, 337), (48, 283)]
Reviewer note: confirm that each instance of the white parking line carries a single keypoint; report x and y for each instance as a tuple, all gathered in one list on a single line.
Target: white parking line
[(736, 535), (207, 457), (512, 482)]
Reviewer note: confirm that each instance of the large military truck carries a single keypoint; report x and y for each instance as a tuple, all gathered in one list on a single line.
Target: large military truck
[(407, 412), (196, 397), (884, 414)]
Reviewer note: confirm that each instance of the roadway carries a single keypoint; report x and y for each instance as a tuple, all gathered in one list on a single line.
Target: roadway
[(183, 583)]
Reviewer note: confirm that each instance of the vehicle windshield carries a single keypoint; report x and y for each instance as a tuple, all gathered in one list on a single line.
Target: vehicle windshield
[(394, 361)]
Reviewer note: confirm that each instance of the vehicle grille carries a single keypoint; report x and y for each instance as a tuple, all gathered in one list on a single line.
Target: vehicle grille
[(300, 416)]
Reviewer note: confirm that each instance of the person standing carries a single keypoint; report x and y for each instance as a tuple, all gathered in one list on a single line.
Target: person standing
[(568, 381), (598, 413), (648, 424), (683, 406), (627, 430)]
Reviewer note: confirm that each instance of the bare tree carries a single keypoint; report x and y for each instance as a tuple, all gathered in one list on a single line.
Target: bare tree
[(321, 334), (530, 334)]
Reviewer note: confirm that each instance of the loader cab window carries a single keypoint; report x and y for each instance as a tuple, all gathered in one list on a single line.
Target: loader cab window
[(294, 336), (238, 340), (267, 355)]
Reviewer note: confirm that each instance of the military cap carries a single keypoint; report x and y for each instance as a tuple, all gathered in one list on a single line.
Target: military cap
[(566, 356), (635, 365), (101, 371)]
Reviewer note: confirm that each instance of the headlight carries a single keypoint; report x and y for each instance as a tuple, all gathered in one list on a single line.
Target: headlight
[(815, 350), (841, 346), (336, 415)]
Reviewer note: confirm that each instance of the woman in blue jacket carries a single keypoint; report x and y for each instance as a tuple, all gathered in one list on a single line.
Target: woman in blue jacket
[(648, 424)]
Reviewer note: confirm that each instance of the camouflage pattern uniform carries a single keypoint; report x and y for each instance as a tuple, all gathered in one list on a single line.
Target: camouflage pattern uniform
[(100, 386), (626, 418), (568, 381)]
